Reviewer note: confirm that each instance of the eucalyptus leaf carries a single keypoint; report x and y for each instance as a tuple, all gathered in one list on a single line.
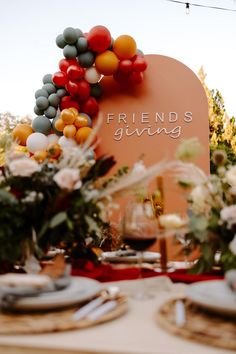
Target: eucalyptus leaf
[(58, 219)]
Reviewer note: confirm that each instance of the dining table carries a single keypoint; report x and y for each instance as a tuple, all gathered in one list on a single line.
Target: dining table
[(137, 331)]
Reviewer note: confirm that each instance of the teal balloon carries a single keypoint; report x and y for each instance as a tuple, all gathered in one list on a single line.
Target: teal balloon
[(41, 124), (50, 88), (37, 111), (96, 90), (42, 103), (54, 100), (70, 51), (53, 126), (82, 44), (50, 112), (60, 42), (47, 79), (79, 32), (86, 59), (41, 92), (70, 35), (61, 93)]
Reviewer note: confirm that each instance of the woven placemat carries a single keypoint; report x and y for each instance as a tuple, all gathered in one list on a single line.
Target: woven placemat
[(17, 323), (201, 326)]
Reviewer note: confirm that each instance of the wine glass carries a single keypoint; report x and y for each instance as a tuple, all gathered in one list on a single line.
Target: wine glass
[(139, 231)]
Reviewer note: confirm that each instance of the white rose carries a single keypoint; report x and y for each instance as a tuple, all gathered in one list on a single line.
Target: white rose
[(228, 215), (138, 168), (23, 167), (68, 178), (230, 176), (232, 245), (199, 197), (171, 221)]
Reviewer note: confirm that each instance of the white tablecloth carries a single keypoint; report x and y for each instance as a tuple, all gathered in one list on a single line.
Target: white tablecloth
[(134, 333)]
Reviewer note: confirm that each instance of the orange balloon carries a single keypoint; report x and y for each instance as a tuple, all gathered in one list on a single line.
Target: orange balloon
[(69, 131), (21, 132), (40, 155), (74, 110), (59, 125), (82, 134), (67, 116), (54, 150), (107, 63), (81, 121), (125, 47)]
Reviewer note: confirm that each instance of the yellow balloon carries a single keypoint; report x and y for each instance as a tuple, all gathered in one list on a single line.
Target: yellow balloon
[(69, 131), (107, 63), (125, 47), (21, 132), (82, 134)]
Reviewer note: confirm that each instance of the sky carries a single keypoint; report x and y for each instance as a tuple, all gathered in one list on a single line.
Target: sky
[(28, 29)]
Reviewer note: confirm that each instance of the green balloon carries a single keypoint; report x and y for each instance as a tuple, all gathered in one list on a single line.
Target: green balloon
[(38, 111), (86, 59), (41, 92), (42, 103), (82, 44), (70, 35), (70, 51), (41, 124), (47, 79), (50, 112), (61, 92), (60, 41), (50, 88), (54, 100), (96, 90)]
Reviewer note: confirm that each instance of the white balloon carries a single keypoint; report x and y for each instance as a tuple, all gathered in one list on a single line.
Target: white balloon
[(52, 138), (66, 142), (92, 75), (36, 142)]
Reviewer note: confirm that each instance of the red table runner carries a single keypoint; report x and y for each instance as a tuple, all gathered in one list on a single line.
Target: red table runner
[(106, 273)]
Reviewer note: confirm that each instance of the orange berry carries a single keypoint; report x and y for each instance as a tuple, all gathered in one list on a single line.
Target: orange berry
[(67, 116), (82, 134), (54, 150), (69, 131), (59, 125)]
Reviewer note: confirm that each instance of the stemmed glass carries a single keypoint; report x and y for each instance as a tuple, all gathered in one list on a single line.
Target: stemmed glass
[(139, 231)]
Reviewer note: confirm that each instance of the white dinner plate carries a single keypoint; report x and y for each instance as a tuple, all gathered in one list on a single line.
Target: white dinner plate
[(214, 295), (79, 290), (129, 256)]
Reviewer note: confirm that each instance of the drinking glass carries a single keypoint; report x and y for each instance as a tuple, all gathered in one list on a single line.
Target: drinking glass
[(139, 231)]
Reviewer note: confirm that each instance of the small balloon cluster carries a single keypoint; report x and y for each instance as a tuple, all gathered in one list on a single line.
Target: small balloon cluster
[(67, 101)]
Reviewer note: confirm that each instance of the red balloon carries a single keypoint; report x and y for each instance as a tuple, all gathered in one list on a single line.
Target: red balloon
[(72, 88), (83, 90), (135, 78), (139, 64), (75, 72), (90, 106), (99, 39), (59, 79), (65, 63), (125, 65), (121, 77), (67, 102)]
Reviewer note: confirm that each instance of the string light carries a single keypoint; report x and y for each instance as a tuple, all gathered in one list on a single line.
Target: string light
[(188, 4), (187, 8)]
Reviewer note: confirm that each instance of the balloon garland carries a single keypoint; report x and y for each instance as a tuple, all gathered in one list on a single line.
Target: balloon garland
[(67, 101)]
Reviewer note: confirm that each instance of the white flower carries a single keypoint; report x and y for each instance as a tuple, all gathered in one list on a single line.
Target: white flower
[(230, 176), (171, 221), (138, 168), (68, 178), (232, 245), (228, 215), (23, 167), (200, 198)]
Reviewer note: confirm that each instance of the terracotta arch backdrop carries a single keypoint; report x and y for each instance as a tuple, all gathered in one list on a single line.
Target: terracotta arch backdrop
[(151, 119)]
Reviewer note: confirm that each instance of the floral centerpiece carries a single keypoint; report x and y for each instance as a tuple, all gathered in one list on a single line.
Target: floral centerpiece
[(210, 225)]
